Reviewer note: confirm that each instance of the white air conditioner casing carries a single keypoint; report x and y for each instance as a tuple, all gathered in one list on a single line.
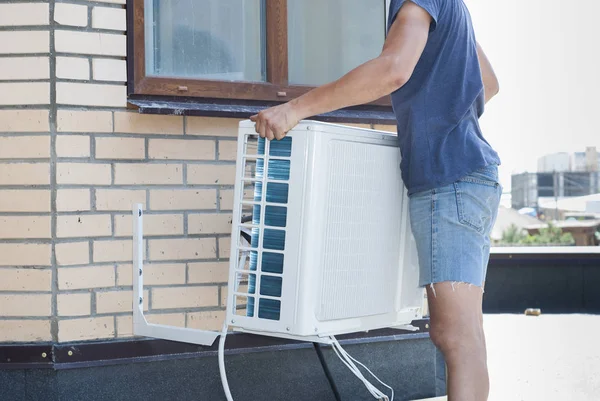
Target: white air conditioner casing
[(350, 261)]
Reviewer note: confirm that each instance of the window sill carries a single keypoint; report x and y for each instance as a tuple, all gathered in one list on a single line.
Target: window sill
[(243, 110)]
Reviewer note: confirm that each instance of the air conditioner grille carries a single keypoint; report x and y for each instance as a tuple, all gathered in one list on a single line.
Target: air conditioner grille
[(360, 258)]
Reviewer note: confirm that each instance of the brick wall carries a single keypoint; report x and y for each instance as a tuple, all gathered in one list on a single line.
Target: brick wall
[(73, 160)]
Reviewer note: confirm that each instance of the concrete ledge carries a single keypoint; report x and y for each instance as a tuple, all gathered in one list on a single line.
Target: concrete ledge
[(262, 372)]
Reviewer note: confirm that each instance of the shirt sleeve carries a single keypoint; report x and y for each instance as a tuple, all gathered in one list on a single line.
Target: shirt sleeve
[(431, 6)]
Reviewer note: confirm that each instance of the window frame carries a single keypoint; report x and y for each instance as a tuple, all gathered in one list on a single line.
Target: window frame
[(276, 88)]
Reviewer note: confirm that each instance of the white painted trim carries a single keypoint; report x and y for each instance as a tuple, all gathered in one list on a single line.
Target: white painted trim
[(553, 250)]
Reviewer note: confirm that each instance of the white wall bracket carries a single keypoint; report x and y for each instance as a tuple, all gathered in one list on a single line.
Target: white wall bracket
[(141, 327)]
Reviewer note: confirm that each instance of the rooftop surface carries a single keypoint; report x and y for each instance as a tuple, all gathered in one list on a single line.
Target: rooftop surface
[(543, 358)]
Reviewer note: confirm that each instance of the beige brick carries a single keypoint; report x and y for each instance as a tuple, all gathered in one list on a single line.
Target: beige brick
[(25, 147), (25, 254), (117, 301), (24, 120), (146, 174), (154, 274), (103, 44), (26, 304), (109, 18), (73, 200), (388, 128), (24, 67), (83, 226), (212, 126), (134, 123), (227, 150), (209, 223), (154, 224), (168, 319), (125, 325), (22, 42), (183, 199), (182, 248), (364, 126), (24, 93), (224, 247), (120, 148), (72, 67), (179, 149), (13, 279), (25, 330), (24, 174), (71, 14), (74, 304), (226, 199), (83, 173), (112, 1), (25, 227), (24, 14), (208, 272), (73, 253), (91, 94), (206, 320), (26, 200), (211, 174), (113, 251), (77, 278), (224, 295), (109, 70), (184, 297), (118, 199), (86, 329), (73, 146), (84, 121)]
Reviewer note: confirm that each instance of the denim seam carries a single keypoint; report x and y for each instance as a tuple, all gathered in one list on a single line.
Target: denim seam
[(433, 236), (480, 181), (461, 213)]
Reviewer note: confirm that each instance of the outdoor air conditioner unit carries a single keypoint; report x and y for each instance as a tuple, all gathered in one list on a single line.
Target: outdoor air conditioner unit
[(321, 240), (321, 243)]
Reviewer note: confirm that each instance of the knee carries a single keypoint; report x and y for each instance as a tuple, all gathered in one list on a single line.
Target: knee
[(455, 337)]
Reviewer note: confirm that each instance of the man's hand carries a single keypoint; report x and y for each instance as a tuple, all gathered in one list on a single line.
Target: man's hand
[(276, 122)]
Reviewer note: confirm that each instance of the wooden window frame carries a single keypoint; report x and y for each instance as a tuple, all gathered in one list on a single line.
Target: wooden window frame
[(275, 89)]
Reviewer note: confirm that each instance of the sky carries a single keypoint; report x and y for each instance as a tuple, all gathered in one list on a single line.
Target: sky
[(546, 54)]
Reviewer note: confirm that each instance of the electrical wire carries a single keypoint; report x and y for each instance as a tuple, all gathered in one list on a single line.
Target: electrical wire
[(349, 362), (222, 363)]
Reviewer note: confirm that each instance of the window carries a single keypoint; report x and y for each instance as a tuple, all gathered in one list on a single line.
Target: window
[(267, 50)]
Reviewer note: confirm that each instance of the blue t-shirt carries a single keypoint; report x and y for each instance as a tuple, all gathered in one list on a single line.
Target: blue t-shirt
[(438, 109)]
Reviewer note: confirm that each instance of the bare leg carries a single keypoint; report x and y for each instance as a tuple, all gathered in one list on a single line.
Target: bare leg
[(457, 330)]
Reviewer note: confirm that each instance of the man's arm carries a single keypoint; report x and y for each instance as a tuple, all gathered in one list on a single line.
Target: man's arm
[(490, 81), (370, 81)]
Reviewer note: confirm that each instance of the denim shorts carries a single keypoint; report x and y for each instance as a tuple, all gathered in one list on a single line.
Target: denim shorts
[(452, 226)]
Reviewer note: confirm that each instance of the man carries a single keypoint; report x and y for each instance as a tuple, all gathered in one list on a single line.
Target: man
[(439, 79)]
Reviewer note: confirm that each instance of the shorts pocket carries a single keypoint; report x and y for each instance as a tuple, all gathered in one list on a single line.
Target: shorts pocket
[(477, 200)]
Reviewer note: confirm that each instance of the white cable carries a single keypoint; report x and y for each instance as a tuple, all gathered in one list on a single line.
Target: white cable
[(346, 354), (222, 363), (348, 360), (224, 381), (374, 391)]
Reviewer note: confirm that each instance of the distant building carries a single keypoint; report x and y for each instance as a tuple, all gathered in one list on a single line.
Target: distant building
[(527, 188), (555, 162), (592, 159), (588, 161)]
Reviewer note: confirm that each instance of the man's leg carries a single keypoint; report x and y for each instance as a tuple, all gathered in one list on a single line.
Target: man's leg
[(456, 329)]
